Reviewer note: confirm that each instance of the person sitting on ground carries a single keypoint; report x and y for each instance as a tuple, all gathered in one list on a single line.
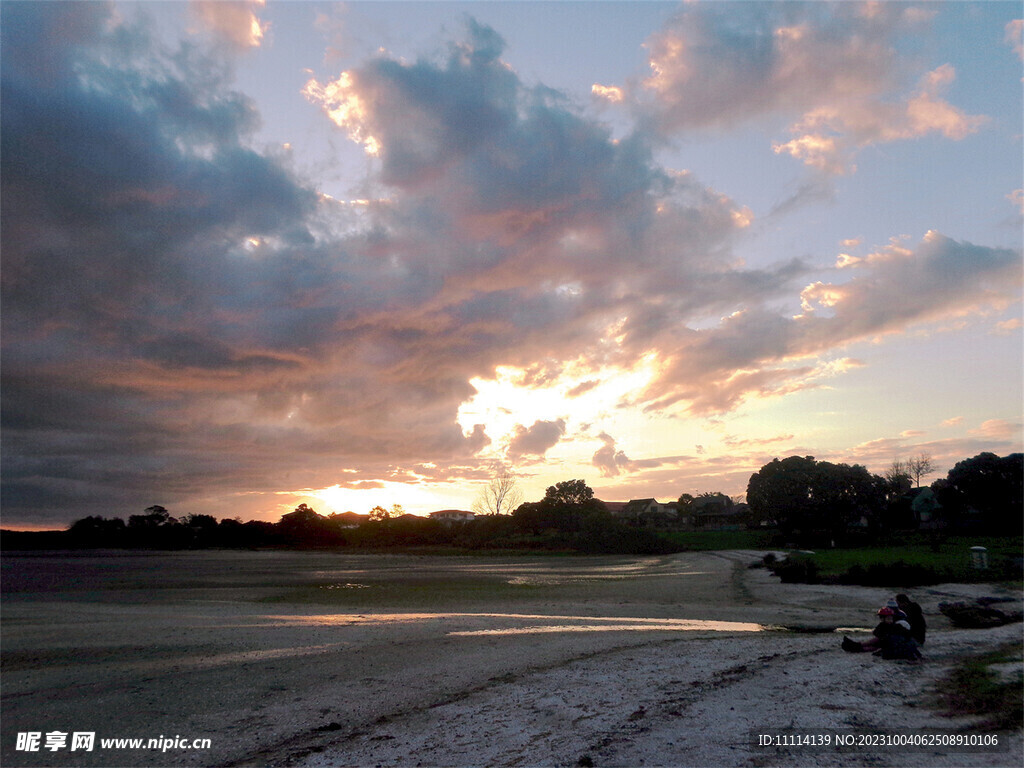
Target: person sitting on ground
[(886, 622), (892, 638), (915, 616)]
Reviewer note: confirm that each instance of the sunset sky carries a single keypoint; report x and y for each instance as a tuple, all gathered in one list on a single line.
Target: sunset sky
[(352, 254)]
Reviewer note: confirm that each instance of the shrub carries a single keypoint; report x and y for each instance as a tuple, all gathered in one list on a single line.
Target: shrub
[(600, 536), (797, 569), (888, 574), (974, 689)]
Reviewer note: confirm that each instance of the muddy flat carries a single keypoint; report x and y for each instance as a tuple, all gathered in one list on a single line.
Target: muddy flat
[(324, 659)]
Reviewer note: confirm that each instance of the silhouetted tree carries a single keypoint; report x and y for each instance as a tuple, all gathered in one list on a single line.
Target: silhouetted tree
[(305, 526), (564, 507), (985, 492), (533, 516), (97, 531), (815, 502), (571, 502), (199, 522), (780, 492), (155, 529), (919, 466), (155, 517), (569, 493), (899, 478), (500, 496), (685, 504)]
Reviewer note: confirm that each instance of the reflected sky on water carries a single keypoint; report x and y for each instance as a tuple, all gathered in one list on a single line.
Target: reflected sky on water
[(522, 624)]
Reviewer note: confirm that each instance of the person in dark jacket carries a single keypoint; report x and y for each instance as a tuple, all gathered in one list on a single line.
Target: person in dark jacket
[(914, 616), (892, 638)]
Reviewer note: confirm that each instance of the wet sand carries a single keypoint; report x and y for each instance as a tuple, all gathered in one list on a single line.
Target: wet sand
[(321, 659)]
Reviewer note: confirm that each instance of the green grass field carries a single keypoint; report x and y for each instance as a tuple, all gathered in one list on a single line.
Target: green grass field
[(950, 557), (930, 559), (972, 688)]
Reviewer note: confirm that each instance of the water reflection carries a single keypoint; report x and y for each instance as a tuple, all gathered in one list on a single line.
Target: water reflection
[(676, 625), (524, 624), (519, 571)]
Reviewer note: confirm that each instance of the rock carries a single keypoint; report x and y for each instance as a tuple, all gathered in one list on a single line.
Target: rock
[(977, 616)]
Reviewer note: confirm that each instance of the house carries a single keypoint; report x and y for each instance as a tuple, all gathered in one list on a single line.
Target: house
[(348, 520), (616, 508), (638, 510), (718, 512), (925, 506), (917, 508), (450, 516)]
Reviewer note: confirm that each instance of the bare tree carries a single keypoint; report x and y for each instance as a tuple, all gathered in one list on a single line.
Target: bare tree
[(500, 497), (897, 472), (919, 466), (897, 477)]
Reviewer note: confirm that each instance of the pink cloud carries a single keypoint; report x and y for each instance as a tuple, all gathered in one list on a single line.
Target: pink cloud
[(1001, 430), (225, 326), (233, 21), (754, 352), (836, 67), (1014, 36), (537, 439)]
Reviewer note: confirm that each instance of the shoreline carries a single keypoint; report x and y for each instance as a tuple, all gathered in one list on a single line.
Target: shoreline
[(554, 662)]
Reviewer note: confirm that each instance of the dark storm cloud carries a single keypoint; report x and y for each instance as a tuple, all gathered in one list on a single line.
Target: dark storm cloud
[(140, 334)]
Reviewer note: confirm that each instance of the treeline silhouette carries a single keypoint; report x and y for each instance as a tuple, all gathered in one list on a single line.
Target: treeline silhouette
[(796, 499), (817, 503), (568, 518)]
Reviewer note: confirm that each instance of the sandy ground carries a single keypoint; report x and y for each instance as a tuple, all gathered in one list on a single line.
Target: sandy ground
[(608, 661)]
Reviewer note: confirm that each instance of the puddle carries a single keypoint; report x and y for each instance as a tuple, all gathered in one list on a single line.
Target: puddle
[(555, 579), (811, 629), (347, 585), (523, 624), (620, 625)]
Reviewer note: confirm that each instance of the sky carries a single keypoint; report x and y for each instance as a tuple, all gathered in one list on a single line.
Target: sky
[(375, 253)]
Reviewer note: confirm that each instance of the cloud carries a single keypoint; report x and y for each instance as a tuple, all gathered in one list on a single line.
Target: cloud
[(612, 94), (1005, 327), (179, 310), (999, 430), (609, 461), (828, 138), (1017, 198), (837, 67), (234, 21), (612, 462), (1014, 36), (756, 353), (537, 439), (734, 442), (877, 455), (182, 311)]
